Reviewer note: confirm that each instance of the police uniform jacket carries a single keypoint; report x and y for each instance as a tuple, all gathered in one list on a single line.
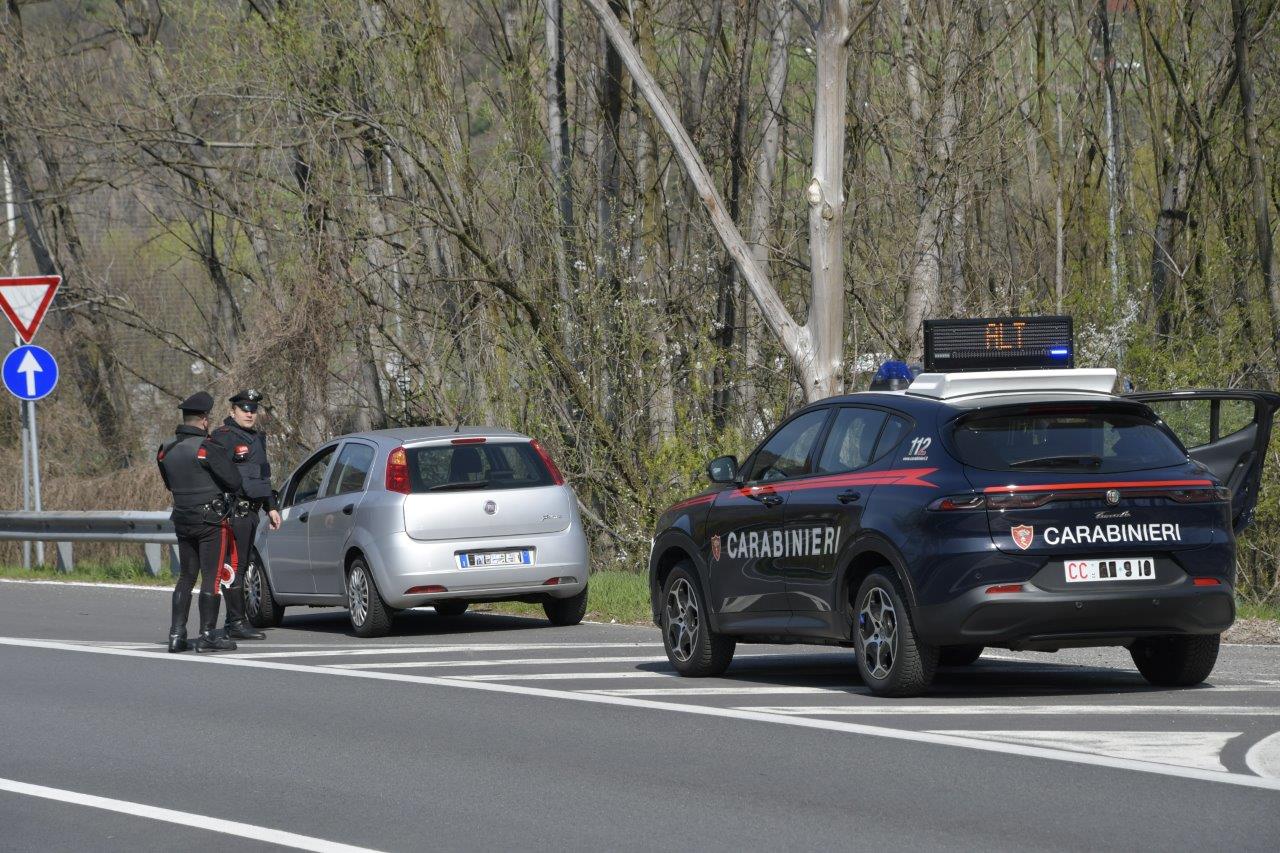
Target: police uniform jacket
[(196, 471), (248, 447)]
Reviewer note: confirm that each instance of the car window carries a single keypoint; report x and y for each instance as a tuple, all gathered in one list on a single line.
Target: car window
[(894, 431), (351, 469), (305, 485), (787, 453), (1098, 441), (851, 440), (468, 467)]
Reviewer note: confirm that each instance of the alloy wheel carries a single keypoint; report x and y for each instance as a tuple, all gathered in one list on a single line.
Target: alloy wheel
[(252, 589), (878, 630), (358, 596), (682, 618)]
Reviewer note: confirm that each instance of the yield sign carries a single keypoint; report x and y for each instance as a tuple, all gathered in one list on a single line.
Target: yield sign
[(25, 299)]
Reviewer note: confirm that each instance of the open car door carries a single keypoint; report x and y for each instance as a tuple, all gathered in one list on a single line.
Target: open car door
[(1227, 432)]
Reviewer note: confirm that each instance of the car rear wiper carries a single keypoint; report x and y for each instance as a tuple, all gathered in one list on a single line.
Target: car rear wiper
[(462, 484), (1059, 462)]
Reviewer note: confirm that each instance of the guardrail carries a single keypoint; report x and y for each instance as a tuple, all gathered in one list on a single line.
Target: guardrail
[(153, 529)]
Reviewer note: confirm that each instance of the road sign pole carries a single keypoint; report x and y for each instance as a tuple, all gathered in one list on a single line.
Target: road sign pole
[(35, 472), (10, 216)]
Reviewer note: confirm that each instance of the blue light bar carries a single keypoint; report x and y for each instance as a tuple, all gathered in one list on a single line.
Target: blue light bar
[(1059, 352)]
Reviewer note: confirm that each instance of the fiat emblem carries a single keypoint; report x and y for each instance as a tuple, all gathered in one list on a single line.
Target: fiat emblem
[(1113, 497), (490, 507)]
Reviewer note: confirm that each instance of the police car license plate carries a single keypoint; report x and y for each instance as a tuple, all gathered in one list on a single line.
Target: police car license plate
[(1110, 569), (484, 559)]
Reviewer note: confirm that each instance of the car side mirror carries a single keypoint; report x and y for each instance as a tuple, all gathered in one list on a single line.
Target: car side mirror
[(723, 469)]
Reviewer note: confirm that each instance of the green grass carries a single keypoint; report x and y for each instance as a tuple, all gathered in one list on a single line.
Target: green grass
[(116, 571), (614, 596), (1257, 610)]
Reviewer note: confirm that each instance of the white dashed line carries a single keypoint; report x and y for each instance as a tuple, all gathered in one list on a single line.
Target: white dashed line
[(195, 821), (1185, 749)]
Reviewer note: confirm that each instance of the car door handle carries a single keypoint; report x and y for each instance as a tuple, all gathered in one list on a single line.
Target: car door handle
[(849, 497), (770, 500), (303, 518), (348, 509)]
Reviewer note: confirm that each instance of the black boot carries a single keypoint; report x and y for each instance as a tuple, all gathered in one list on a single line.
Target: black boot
[(210, 640), (178, 621), (243, 631)]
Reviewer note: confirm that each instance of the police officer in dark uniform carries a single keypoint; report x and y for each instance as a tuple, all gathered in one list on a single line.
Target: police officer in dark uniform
[(202, 478), (248, 447)]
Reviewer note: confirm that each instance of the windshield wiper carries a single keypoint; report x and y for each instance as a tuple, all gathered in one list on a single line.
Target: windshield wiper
[(462, 484), (1059, 462)]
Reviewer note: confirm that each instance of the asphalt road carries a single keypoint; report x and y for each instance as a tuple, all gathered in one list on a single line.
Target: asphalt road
[(489, 731)]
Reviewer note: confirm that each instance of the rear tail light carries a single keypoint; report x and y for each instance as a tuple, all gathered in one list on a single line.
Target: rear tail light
[(424, 590), (556, 476), (474, 440), (398, 471), (1199, 496), (559, 580), (1003, 588), (1206, 581), (1018, 500)]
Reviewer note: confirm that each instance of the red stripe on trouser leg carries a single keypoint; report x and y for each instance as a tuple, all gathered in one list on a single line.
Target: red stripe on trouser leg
[(223, 536)]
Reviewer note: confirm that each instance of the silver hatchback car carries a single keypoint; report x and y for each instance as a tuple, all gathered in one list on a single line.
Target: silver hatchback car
[(381, 521)]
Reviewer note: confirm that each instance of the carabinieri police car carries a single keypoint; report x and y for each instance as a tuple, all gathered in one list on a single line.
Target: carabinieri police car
[(1003, 499)]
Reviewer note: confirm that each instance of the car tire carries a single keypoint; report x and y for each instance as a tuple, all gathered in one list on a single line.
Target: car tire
[(891, 658), (958, 655), (260, 605), (692, 647), (450, 608), (1178, 660), (564, 612), (370, 616)]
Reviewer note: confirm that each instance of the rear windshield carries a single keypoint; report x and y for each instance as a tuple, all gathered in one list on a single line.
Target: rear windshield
[(467, 467), (1098, 441)]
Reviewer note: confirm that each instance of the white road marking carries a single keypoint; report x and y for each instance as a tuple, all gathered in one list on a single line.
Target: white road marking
[(420, 664), (1263, 757), (568, 676), (147, 587), (195, 821), (449, 649), (881, 708), (907, 735), (738, 690), (1185, 749)]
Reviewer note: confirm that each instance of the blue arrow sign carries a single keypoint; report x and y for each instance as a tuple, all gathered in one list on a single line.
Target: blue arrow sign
[(30, 372)]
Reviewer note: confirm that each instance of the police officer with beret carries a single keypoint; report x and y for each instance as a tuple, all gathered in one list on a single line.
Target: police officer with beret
[(202, 478), (247, 446)]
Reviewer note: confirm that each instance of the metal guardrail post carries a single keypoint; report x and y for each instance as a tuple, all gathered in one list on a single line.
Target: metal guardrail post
[(66, 561)]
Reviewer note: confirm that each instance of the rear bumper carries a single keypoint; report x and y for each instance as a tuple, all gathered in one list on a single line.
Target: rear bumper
[(401, 563), (1041, 619)]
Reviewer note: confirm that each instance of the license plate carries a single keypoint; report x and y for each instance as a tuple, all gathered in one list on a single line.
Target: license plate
[(1110, 569), (483, 559)]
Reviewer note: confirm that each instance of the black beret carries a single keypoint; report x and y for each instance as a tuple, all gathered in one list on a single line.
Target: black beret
[(249, 395), (201, 401)]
